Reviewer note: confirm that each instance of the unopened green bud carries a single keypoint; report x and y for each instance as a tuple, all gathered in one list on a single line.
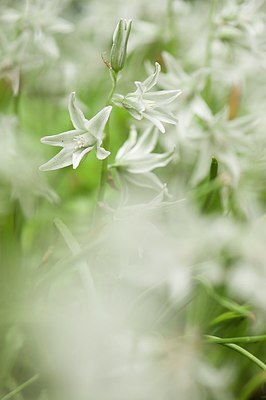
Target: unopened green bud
[(119, 47)]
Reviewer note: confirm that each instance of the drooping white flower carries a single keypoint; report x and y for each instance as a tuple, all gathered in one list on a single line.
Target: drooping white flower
[(135, 160), (87, 135), (150, 105)]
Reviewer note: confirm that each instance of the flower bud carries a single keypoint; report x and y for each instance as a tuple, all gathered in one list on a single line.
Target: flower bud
[(119, 47)]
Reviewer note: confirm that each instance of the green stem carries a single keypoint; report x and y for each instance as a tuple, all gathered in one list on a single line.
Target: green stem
[(21, 387), (245, 339), (252, 386), (223, 301), (247, 354), (114, 77), (106, 141), (242, 351)]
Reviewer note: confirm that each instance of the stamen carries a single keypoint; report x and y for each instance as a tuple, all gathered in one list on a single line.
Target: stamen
[(81, 142)]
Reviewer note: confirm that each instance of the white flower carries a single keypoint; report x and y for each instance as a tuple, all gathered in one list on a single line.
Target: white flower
[(15, 58), (135, 160), (40, 19), (241, 23), (192, 85), (150, 105), (225, 139), (19, 175), (86, 136)]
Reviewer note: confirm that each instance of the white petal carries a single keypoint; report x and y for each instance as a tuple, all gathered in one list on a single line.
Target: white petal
[(232, 164), (149, 163), (148, 180), (152, 79), (162, 97), (200, 108), (79, 154), (173, 67), (164, 116), (61, 160), (128, 145), (60, 25), (202, 165), (101, 153), (62, 139), (147, 141), (97, 124), (133, 102), (155, 121), (76, 115)]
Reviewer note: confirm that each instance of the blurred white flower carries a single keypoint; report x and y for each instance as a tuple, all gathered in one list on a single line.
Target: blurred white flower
[(150, 105), (247, 278), (175, 75), (135, 161), (15, 58), (39, 18), (192, 84), (87, 135), (225, 139), (241, 23), (19, 172)]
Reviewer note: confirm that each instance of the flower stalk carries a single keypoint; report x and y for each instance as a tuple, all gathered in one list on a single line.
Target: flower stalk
[(106, 140)]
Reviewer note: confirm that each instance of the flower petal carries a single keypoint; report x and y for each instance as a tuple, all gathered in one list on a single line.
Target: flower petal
[(148, 180), (79, 154), (129, 143), (97, 124), (76, 115), (155, 120), (162, 97), (149, 163), (152, 79), (173, 67), (201, 109), (101, 153), (62, 139), (164, 116), (61, 160), (147, 141)]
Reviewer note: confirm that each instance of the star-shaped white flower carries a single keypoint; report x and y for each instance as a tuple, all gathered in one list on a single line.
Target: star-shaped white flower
[(87, 135), (39, 18), (135, 160), (227, 140), (150, 105)]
